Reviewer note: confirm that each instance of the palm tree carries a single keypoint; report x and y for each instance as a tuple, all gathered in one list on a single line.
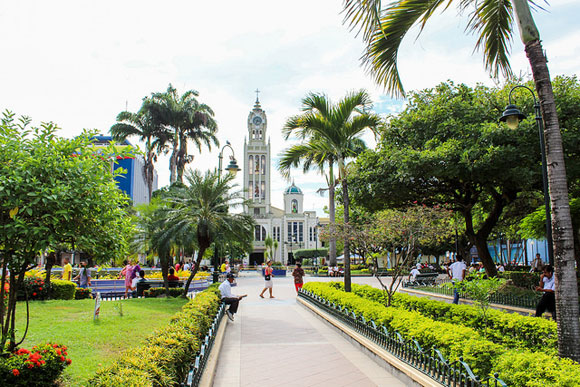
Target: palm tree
[(140, 125), (333, 135), (314, 153), (182, 118), (201, 208), (383, 29)]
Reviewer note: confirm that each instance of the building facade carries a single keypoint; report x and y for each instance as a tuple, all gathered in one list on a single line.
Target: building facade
[(291, 228)]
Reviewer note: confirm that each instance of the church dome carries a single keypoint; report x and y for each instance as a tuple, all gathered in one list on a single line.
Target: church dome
[(293, 190)]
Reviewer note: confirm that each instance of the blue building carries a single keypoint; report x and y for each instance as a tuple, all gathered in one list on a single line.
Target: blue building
[(132, 182)]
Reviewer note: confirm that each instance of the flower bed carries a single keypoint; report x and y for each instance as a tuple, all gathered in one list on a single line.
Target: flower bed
[(39, 367), (164, 358), (456, 341)]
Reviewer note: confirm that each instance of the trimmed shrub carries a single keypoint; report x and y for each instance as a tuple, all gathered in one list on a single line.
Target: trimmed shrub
[(62, 290), (164, 358), (522, 279), (82, 293), (510, 329), (39, 367), (157, 292), (517, 367)]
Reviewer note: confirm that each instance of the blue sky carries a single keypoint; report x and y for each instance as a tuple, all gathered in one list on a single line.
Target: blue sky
[(79, 63)]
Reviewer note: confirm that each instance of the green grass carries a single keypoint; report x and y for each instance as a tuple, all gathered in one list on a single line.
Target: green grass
[(92, 344)]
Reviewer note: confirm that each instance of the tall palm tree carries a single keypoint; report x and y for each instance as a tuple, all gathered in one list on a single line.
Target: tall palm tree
[(201, 208), (314, 154), (182, 118), (142, 126), (383, 29), (333, 134)]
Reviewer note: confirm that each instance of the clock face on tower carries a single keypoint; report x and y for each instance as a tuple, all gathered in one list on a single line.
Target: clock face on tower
[(257, 120)]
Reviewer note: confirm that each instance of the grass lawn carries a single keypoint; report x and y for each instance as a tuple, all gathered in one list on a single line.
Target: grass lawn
[(92, 344)]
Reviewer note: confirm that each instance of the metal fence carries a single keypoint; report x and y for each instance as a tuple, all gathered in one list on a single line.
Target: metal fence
[(529, 302), (428, 361), (196, 370)]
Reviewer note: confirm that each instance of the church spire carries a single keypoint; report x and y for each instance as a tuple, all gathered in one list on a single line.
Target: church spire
[(257, 105)]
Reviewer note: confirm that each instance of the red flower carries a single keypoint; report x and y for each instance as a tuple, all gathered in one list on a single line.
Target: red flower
[(15, 372), (58, 351), (30, 365), (42, 362), (68, 361), (39, 289), (62, 358), (22, 351), (34, 294)]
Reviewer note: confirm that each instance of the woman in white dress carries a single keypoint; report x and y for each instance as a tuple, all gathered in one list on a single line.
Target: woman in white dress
[(269, 284)]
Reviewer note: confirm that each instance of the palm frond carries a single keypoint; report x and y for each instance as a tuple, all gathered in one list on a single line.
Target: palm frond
[(492, 20)]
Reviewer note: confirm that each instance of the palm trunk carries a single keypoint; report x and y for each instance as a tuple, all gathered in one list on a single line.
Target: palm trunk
[(194, 270), (345, 201), (181, 159), (567, 314), (332, 216)]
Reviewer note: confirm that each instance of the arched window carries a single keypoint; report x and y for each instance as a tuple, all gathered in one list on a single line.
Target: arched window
[(263, 165), (251, 164), (259, 233), (257, 164), (263, 191), (294, 206)]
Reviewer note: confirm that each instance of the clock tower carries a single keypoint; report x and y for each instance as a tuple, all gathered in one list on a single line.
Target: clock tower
[(257, 163)]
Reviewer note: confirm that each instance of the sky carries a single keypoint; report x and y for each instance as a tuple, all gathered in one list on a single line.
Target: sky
[(80, 63)]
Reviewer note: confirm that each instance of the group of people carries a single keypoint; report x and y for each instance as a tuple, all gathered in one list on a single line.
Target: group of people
[(233, 300), (83, 278)]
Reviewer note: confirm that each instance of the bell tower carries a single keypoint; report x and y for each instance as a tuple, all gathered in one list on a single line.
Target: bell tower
[(257, 163)]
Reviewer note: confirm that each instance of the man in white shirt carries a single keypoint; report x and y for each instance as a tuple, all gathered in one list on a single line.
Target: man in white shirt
[(548, 286), (457, 274), (228, 297), (413, 274)]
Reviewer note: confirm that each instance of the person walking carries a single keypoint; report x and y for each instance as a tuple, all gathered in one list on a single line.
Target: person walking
[(548, 286), (84, 276), (457, 274), (228, 297), (268, 284), (127, 272), (66, 270), (298, 275)]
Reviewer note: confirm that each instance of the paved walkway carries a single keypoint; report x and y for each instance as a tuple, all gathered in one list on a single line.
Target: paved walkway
[(276, 342)]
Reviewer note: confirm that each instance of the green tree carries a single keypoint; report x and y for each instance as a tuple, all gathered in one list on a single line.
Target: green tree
[(182, 118), (447, 148), (201, 208), (140, 125), (383, 29), (53, 191), (336, 128)]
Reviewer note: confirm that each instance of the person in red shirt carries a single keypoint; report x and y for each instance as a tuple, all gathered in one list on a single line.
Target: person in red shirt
[(172, 276)]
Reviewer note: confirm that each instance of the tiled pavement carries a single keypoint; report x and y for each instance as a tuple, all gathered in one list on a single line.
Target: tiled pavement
[(276, 342)]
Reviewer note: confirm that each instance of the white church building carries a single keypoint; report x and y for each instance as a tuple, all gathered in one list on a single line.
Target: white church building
[(292, 227)]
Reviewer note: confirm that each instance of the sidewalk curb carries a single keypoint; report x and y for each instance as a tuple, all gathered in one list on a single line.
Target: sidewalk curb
[(208, 376), (400, 369)]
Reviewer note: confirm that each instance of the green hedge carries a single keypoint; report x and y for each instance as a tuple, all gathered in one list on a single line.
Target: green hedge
[(310, 253), (510, 329), (62, 290), (156, 292), (164, 359), (455, 340), (522, 279)]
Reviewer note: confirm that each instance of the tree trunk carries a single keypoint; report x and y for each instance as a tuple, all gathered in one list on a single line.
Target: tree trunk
[(194, 270), (50, 262), (479, 239), (332, 216), (345, 200), (164, 261), (566, 281)]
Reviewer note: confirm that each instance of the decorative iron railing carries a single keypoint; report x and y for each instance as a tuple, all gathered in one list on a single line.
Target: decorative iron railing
[(430, 362), (196, 369), (528, 302)]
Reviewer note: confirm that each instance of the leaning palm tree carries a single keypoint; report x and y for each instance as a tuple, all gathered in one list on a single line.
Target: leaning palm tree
[(201, 208), (142, 126), (183, 118), (332, 134), (383, 29)]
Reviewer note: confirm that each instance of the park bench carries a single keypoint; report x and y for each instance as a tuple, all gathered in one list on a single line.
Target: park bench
[(423, 279)]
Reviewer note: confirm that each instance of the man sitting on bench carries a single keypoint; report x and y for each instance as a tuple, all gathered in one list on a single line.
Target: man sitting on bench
[(228, 297), (413, 274)]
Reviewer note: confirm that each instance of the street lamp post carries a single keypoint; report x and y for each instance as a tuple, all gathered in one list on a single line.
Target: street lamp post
[(232, 168), (512, 117)]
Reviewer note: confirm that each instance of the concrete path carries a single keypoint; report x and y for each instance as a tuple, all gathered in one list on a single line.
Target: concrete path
[(276, 342)]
